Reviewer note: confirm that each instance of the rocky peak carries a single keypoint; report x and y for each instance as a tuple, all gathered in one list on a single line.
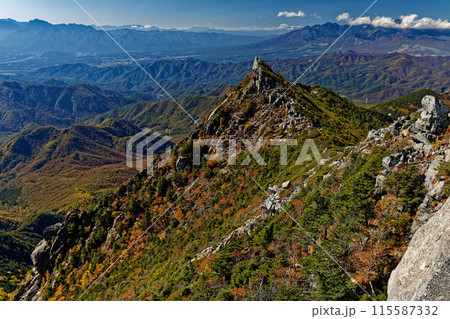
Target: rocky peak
[(257, 63), (263, 76), (433, 119), (256, 106)]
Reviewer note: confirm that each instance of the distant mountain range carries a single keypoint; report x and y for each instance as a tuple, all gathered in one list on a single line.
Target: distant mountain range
[(34, 44), (313, 40), (249, 32), (376, 78), (37, 43), (41, 36)]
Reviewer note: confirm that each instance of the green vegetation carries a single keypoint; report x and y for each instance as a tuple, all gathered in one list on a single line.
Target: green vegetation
[(16, 246), (404, 105), (163, 116), (444, 172), (408, 186), (56, 169)]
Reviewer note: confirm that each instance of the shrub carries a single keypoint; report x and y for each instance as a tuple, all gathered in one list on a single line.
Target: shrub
[(408, 186), (162, 186)]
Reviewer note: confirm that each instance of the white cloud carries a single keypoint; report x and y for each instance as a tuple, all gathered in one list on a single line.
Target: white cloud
[(285, 26), (316, 15), (343, 16), (282, 26), (411, 21), (287, 14)]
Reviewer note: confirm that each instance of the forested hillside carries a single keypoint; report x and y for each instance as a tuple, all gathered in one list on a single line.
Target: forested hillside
[(270, 232)]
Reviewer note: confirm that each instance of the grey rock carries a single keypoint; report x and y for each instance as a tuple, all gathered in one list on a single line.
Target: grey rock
[(376, 135), (40, 255), (437, 192), (274, 189), (182, 163), (447, 156), (272, 204), (433, 119), (420, 138), (262, 81), (391, 160), (424, 271), (424, 148), (431, 172), (51, 231), (286, 185), (423, 213), (408, 155), (30, 290), (379, 183)]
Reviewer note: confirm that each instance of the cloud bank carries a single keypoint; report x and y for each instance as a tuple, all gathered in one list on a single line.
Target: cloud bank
[(287, 14), (411, 21)]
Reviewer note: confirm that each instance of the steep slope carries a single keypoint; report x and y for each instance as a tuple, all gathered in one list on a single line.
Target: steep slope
[(51, 168), (362, 78), (264, 102), (61, 106), (44, 170), (165, 116), (423, 273)]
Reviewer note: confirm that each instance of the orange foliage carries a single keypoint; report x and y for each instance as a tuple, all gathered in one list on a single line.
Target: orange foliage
[(239, 293), (240, 213)]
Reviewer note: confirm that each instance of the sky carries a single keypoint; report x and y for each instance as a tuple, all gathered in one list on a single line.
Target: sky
[(229, 14)]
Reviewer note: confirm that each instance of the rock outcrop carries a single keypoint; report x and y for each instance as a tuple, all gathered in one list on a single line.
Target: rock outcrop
[(58, 239), (424, 271), (433, 119)]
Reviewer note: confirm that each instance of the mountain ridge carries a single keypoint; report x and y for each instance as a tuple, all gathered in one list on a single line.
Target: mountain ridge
[(392, 75), (311, 40), (61, 106)]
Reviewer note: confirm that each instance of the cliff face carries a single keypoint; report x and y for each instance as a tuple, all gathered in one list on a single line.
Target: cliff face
[(424, 271)]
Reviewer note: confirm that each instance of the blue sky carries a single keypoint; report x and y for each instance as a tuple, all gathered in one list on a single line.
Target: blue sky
[(219, 14)]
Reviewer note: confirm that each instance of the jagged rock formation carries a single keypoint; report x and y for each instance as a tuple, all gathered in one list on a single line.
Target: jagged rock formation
[(433, 119), (58, 239), (424, 271), (267, 107)]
